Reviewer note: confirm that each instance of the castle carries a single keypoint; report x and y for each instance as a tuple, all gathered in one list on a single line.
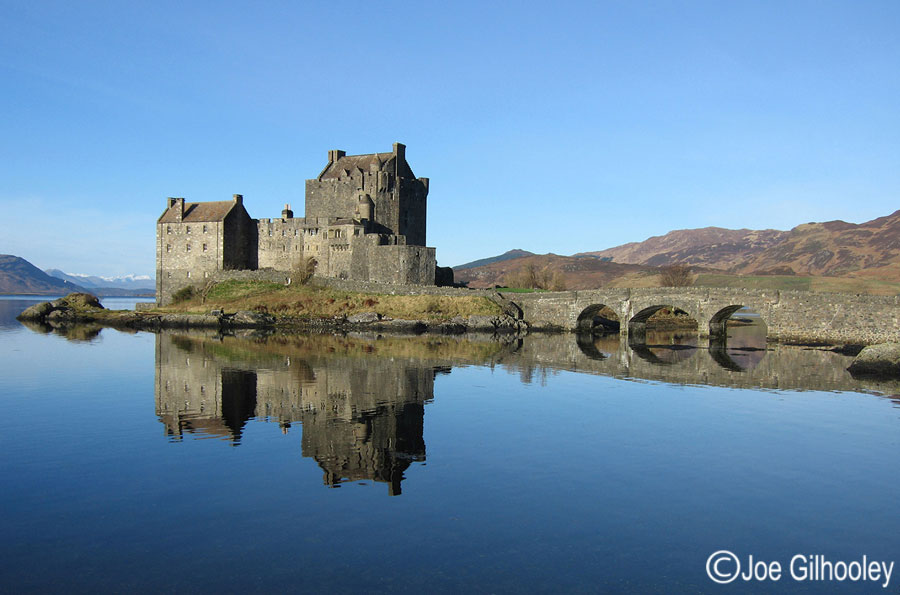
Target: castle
[(364, 221)]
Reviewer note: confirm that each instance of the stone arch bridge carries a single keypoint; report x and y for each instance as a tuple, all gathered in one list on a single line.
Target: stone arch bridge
[(788, 315)]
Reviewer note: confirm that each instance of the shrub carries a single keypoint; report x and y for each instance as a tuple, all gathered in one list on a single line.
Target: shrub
[(183, 294)]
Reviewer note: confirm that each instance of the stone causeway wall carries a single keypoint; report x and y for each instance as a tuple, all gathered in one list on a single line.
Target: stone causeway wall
[(789, 315)]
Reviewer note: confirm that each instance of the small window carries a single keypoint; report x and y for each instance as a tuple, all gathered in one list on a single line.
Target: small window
[(187, 248), (168, 229), (168, 274), (187, 229), (168, 247), (205, 276), (204, 229), (204, 247), (189, 274), (283, 233), (270, 233)]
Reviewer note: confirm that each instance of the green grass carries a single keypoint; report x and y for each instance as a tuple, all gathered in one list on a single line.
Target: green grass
[(233, 290)]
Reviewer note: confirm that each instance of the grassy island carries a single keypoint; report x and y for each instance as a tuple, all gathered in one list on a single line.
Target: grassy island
[(311, 302)]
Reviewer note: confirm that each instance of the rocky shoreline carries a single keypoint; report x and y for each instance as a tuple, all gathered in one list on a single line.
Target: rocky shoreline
[(81, 308)]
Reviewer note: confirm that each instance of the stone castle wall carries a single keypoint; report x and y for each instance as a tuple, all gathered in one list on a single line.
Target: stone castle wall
[(186, 255), (365, 221)]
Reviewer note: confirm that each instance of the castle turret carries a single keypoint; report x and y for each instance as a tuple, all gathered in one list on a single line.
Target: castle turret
[(287, 213), (366, 208)]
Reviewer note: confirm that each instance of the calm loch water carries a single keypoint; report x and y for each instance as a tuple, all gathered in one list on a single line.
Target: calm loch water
[(192, 462)]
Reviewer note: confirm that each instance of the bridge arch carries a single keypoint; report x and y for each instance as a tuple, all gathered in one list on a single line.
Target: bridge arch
[(598, 318), (637, 325), (718, 323)]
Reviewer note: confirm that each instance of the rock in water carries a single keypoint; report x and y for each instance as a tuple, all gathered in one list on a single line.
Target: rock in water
[(82, 300), (61, 315), (877, 360), (363, 318), (36, 312), (248, 318)]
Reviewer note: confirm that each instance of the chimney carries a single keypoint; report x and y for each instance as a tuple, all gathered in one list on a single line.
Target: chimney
[(178, 203), (238, 198), (335, 154), (287, 213), (400, 151)]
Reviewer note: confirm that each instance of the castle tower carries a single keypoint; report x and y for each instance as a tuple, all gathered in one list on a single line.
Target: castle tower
[(398, 197)]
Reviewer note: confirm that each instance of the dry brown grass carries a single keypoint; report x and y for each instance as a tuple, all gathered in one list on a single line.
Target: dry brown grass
[(311, 302)]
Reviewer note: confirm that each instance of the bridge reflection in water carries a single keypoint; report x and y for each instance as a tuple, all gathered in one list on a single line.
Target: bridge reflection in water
[(360, 400)]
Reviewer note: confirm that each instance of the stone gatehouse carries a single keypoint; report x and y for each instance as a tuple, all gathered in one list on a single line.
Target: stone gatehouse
[(364, 221)]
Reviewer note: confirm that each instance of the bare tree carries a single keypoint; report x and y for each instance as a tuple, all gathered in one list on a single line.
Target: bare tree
[(530, 277), (676, 275), (304, 269)]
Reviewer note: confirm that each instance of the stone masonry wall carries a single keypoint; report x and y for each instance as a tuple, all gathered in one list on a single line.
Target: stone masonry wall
[(789, 315), (187, 254), (402, 264)]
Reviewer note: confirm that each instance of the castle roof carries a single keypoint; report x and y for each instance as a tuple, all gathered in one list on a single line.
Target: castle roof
[(351, 163), (199, 211)]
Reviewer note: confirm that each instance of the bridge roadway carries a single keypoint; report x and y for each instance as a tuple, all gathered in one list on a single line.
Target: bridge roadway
[(788, 315)]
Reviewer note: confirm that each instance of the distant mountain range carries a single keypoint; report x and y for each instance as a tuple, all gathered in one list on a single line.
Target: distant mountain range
[(18, 276), (869, 250), (122, 282)]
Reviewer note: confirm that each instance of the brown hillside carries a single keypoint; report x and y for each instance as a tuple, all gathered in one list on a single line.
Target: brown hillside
[(835, 248), (712, 247), (579, 272)]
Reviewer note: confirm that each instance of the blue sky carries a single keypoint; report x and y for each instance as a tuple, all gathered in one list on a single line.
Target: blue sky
[(562, 127)]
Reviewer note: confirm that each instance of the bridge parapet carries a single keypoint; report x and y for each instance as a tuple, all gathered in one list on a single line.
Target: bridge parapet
[(788, 315)]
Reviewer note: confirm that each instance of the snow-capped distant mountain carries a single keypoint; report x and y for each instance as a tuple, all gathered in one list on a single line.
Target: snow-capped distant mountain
[(119, 282)]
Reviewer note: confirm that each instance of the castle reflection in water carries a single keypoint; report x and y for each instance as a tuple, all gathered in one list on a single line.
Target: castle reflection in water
[(362, 417), (360, 400)]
